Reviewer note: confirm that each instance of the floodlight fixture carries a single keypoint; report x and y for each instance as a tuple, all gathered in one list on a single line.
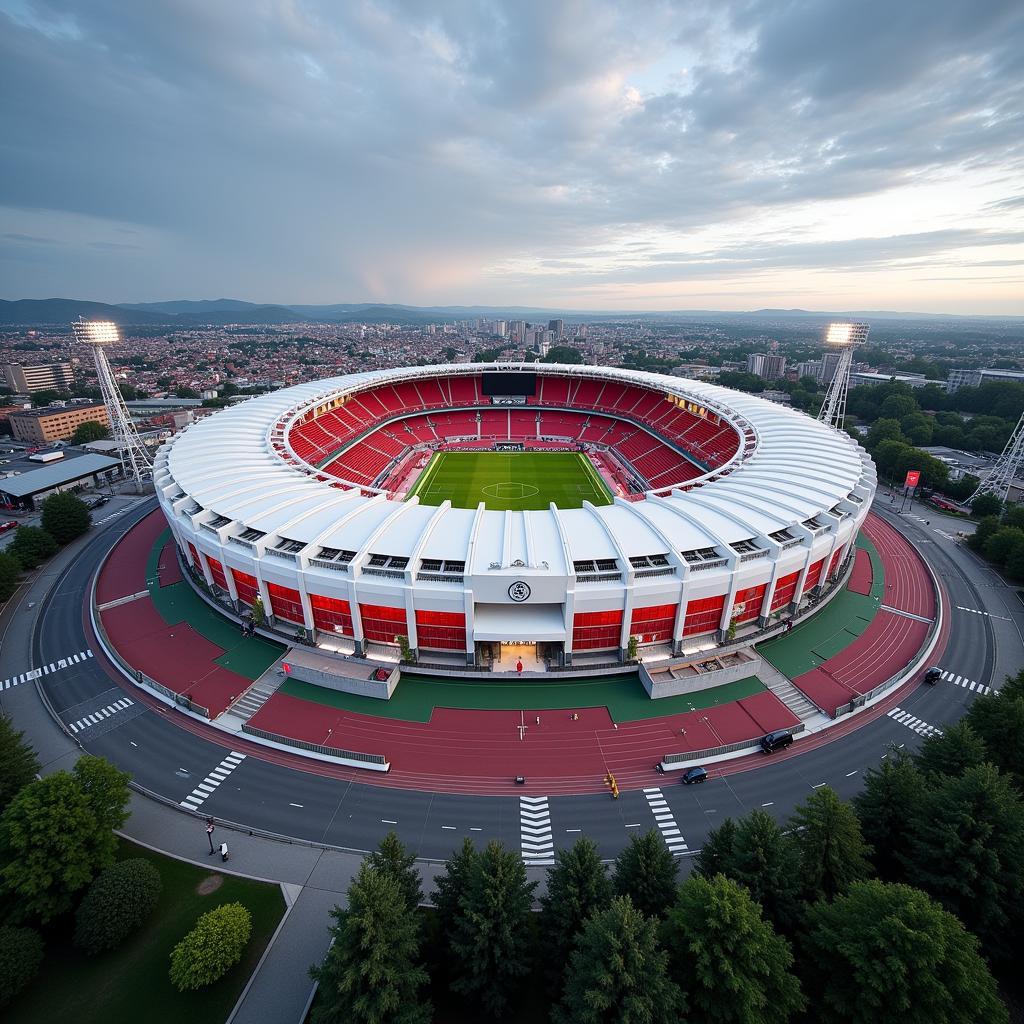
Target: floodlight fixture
[(96, 332), (135, 461), (844, 338)]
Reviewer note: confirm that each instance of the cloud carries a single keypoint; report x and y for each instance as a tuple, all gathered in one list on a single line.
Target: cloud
[(490, 151)]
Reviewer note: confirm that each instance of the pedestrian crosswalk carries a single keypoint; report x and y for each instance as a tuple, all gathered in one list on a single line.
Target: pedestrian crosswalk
[(963, 681), (914, 723), (46, 670), (101, 714), (209, 785), (666, 821), (535, 830)]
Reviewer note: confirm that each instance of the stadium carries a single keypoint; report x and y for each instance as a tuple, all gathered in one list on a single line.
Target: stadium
[(483, 515)]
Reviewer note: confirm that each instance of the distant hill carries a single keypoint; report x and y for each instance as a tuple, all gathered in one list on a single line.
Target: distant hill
[(191, 306), (52, 312)]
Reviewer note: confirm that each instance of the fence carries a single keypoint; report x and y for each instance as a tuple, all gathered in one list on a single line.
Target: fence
[(725, 748), (320, 748)]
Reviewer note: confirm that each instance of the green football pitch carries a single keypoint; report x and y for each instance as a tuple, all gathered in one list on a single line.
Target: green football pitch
[(511, 480)]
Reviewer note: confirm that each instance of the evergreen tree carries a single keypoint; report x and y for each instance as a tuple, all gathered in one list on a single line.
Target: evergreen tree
[(998, 720), (450, 887), (951, 752), (887, 954), (92, 430), (728, 961), (372, 973), (65, 517), (10, 575), (618, 972), (32, 546), (491, 940), (578, 886), (891, 798), (392, 858), (715, 855), (645, 871), (833, 853), (967, 851), (765, 861), (18, 762)]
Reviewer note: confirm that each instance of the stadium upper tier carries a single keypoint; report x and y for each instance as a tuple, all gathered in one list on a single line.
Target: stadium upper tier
[(740, 508)]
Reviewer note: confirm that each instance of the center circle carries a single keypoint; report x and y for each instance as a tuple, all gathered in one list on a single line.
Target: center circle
[(509, 490)]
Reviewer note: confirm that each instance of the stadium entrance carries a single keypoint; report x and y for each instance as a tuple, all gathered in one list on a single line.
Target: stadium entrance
[(509, 654)]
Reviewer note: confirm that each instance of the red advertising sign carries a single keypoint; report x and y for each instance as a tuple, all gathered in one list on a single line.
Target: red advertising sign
[(913, 478)]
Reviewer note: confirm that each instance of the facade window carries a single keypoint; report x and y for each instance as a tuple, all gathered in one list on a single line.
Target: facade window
[(653, 625), (445, 631), (596, 631), (332, 615), (703, 615), (748, 603), (246, 586), (382, 623), (216, 571), (286, 603), (784, 590)]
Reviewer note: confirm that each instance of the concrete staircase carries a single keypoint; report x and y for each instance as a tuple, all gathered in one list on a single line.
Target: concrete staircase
[(781, 686), (257, 695)]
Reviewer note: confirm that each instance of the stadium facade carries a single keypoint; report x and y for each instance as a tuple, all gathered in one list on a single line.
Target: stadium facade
[(723, 511)]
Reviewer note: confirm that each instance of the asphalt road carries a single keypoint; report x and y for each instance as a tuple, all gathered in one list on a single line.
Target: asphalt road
[(985, 644)]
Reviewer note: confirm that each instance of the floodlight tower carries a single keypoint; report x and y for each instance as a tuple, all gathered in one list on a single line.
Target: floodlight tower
[(135, 460), (1007, 466), (844, 338)]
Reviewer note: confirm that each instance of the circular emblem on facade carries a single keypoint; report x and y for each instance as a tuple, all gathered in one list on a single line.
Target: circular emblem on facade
[(519, 591)]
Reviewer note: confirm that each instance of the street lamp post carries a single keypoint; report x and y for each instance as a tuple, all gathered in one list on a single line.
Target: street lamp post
[(209, 833)]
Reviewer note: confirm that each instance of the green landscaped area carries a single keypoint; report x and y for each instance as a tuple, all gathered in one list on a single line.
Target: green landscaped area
[(129, 985), (516, 481), (625, 698), (249, 657), (832, 629)]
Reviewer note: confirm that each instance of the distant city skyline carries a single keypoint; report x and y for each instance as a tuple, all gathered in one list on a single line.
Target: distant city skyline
[(730, 155)]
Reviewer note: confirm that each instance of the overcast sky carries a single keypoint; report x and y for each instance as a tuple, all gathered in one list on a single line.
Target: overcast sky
[(728, 154)]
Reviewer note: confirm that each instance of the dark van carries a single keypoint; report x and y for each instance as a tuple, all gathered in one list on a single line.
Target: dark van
[(692, 775), (778, 740)]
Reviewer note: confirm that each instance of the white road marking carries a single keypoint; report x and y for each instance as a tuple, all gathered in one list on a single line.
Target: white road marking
[(36, 673), (208, 786), (914, 723), (665, 821), (536, 845)]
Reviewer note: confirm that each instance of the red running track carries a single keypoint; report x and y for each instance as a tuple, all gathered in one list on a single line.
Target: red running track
[(862, 576), (908, 584)]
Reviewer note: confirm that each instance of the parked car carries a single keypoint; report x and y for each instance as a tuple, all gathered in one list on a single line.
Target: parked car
[(98, 502), (9, 525), (933, 675), (694, 775), (778, 740)]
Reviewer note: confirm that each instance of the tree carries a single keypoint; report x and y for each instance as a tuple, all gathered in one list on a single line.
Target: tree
[(998, 720), (645, 871), (1003, 544), (117, 903), (833, 853), (891, 796), (618, 972), (951, 752), (884, 430), (10, 575), (452, 885), (967, 850), (985, 529), (716, 851), (21, 956), (372, 972), (578, 886), (212, 948), (89, 431), (392, 858), (765, 861), (18, 762), (65, 517), (57, 833), (32, 546), (986, 504), (887, 954), (186, 392), (491, 941), (727, 960)]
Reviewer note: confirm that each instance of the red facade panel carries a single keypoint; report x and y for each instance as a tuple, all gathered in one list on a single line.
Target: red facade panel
[(444, 631), (653, 625), (784, 590), (246, 585), (285, 603), (596, 631), (382, 623), (217, 572), (331, 614), (748, 603), (703, 615)]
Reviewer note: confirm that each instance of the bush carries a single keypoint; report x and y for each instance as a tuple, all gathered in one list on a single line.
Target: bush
[(21, 956), (65, 517), (212, 948), (117, 903), (32, 546), (10, 575)]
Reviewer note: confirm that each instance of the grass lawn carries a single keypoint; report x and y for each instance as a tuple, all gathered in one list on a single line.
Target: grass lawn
[(130, 984), (511, 480), (624, 696)]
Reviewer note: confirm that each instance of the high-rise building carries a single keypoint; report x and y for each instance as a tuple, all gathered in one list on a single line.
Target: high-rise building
[(557, 327), (26, 379), (767, 365), (500, 328)]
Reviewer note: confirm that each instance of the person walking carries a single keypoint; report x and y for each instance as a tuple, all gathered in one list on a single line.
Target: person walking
[(223, 851)]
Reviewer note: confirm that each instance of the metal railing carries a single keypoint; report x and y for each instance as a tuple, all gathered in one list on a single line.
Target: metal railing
[(648, 573), (391, 574), (726, 748), (599, 577), (326, 563), (319, 748)]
